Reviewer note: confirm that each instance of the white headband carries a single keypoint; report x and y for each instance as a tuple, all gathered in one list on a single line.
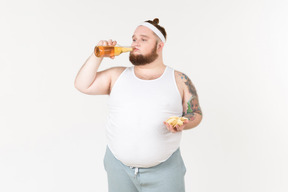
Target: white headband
[(155, 30)]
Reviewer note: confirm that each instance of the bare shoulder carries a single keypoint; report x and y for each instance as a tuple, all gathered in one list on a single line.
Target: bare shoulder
[(182, 79), (115, 72), (190, 97), (179, 81), (184, 83)]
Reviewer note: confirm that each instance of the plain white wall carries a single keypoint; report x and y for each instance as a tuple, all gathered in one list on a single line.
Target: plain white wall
[(52, 137)]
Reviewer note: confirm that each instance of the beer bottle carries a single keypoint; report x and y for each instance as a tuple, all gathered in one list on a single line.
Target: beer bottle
[(110, 51)]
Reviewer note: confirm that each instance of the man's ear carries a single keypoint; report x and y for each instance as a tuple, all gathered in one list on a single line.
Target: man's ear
[(160, 45)]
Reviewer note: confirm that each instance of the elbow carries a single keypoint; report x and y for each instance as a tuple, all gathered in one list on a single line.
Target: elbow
[(76, 85), (198, 118), (80, 88)]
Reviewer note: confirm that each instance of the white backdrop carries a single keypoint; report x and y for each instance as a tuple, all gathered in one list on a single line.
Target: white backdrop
[(235, 52)]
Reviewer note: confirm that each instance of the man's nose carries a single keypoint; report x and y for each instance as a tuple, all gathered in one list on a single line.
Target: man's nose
[(135, 43)]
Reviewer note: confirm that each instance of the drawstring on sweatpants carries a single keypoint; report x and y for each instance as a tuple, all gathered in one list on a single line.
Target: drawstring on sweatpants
[(136, 171)]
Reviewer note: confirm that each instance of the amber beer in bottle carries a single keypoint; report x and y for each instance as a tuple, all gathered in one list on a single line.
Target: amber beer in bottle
[(110, 51)]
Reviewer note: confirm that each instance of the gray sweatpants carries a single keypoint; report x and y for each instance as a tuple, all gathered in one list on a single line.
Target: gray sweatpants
[(165, 177)]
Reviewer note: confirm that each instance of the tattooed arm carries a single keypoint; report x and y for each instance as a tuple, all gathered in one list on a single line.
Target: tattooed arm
[(190, 101)]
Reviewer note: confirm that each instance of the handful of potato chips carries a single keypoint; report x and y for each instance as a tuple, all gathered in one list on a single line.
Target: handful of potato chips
[(174, 120)]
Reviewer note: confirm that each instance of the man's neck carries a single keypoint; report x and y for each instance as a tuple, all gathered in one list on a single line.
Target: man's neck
[(150, 71)]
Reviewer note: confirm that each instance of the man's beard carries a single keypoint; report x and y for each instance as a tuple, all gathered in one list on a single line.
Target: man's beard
[(144, 59)]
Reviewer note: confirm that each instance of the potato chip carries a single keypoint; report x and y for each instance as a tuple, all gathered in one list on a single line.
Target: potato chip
[(174, 120)]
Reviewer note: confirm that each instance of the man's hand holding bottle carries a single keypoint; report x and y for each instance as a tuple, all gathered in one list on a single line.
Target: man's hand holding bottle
[(104, 43)]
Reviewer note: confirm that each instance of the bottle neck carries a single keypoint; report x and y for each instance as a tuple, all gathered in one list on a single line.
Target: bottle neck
[(119, 50), (126, 49)]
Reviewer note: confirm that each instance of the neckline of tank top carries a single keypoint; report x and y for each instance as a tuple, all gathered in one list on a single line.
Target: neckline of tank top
[(151, 80)]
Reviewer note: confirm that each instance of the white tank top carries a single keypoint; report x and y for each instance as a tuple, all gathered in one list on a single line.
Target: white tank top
[(135, 131)]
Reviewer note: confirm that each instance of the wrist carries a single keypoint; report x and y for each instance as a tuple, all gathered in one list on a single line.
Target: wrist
[(94, 57)]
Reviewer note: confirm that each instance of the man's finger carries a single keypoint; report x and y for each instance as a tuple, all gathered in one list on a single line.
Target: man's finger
[(110, 42), (100, 43)]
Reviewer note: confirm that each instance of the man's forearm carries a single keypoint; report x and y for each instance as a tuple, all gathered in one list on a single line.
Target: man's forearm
[(194, 120), (87, 73)]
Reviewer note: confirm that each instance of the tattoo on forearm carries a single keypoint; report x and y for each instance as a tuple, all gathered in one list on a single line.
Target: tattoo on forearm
[(190, 116), (193, 103)]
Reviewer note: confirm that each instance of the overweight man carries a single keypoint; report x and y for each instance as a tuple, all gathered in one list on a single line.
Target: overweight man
[(143, 150)]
